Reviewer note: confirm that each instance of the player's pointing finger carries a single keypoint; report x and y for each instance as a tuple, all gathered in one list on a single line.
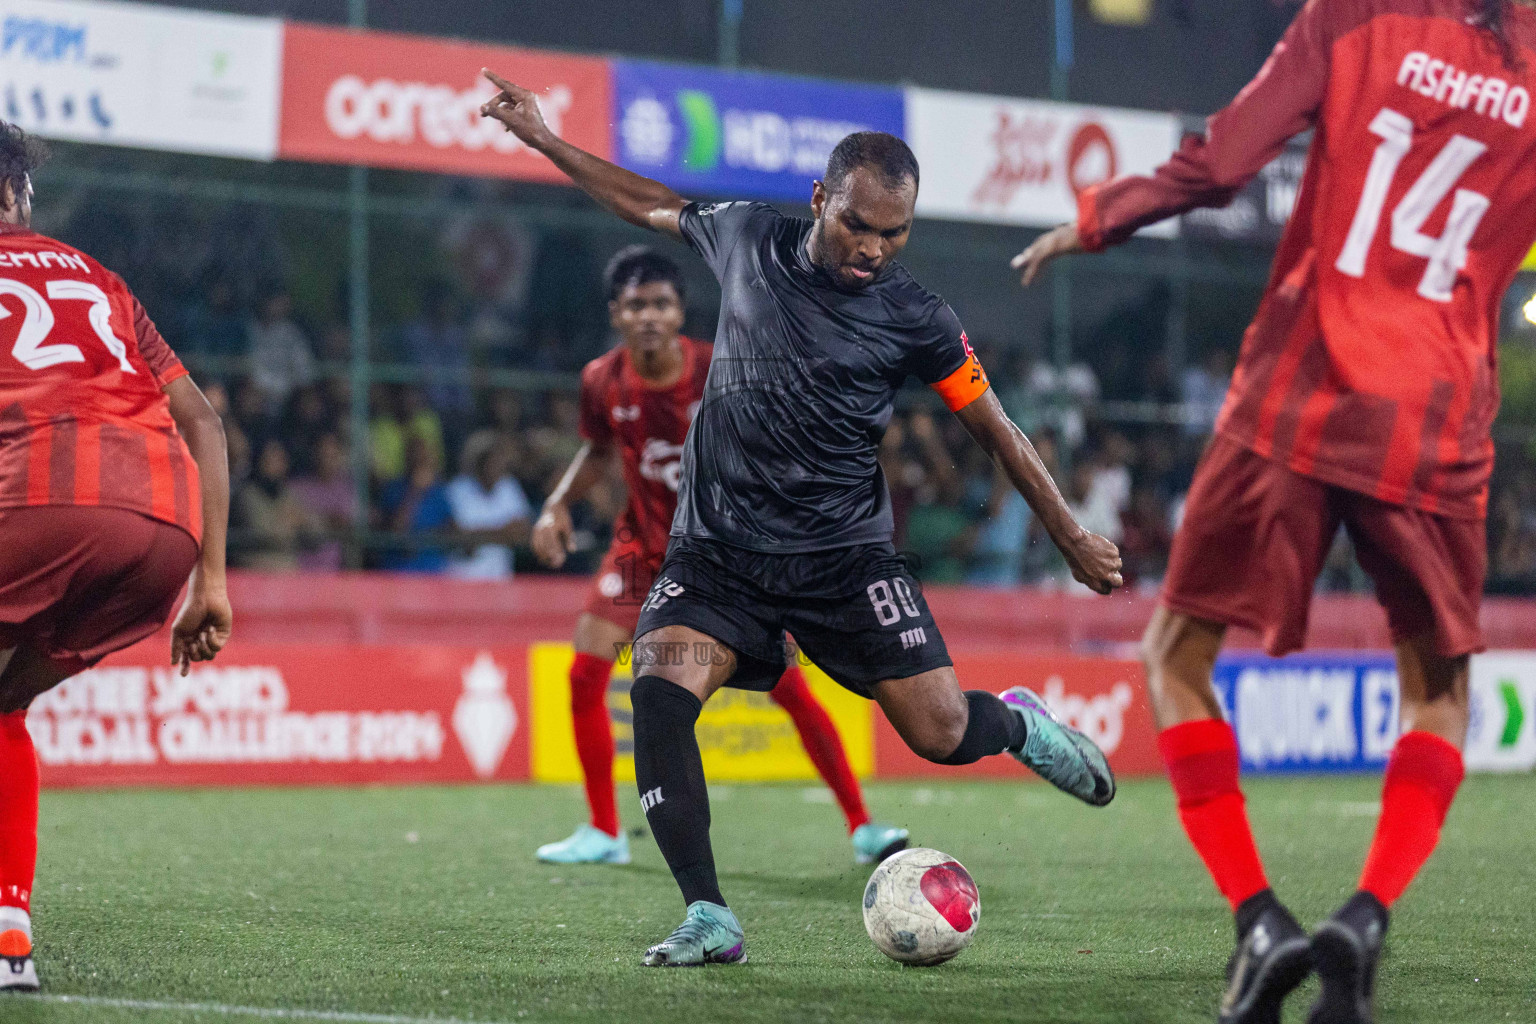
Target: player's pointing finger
[(501, 83)]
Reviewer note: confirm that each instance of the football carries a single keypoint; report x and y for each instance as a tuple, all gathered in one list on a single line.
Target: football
[(921, 907)]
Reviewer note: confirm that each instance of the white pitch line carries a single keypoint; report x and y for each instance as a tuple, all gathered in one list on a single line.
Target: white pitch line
[(267, 1012)]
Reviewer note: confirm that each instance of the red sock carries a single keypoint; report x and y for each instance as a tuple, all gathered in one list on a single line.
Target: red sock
[(594, 737), (18, 811), (1202, 765), (1421, 781), (822, 743)]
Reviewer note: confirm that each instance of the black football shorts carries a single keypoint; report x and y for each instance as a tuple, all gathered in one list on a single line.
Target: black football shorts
[(856, 612)]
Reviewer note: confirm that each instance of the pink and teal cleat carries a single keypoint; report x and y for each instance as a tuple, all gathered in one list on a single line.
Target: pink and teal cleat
[(710, 934), (1058, 753)]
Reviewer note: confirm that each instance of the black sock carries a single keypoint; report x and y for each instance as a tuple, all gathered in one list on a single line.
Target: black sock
[(670, 776), (992, 728), (1251, 909)]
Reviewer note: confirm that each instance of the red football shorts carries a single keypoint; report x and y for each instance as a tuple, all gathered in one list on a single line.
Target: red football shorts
[(81, 582), (622, 582), (1255, 536)]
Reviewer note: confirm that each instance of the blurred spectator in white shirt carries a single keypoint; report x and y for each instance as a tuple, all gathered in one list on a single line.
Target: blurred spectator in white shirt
[(489, 507)]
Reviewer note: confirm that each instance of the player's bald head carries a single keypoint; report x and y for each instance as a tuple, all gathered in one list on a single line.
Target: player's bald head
[(889, 159)]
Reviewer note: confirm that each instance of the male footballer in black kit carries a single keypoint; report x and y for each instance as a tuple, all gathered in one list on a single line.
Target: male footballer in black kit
[(783, 517)]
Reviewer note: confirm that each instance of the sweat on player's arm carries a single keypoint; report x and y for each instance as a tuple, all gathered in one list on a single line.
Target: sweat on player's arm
[(639, 200)]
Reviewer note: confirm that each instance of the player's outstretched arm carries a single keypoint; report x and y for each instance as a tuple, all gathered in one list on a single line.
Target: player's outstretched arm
[(1283, 100), (1095, 561), (202, 628), (639, 200), (552, 532)]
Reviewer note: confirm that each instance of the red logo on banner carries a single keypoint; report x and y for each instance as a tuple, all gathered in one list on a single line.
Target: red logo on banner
[(289, 714), (1091, 158), (408, 101), (1021, 157)]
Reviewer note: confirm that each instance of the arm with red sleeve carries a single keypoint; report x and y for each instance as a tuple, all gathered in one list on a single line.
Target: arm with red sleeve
[(1282, 101), (203, 625)]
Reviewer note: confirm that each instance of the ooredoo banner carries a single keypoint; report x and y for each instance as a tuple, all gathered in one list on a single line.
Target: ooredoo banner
[(290, 714), (136, 75), (739, 134), (390, 100), (1012, 161)]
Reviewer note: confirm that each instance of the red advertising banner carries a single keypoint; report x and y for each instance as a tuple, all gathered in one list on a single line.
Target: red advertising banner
[(289, 714), (1102, 697), (413, 102)]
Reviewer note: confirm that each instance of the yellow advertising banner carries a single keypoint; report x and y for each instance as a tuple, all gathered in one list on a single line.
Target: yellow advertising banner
[(1530, 261), (743, 737)]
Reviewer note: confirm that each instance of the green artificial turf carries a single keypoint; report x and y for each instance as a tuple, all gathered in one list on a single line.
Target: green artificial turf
[(427, 903)]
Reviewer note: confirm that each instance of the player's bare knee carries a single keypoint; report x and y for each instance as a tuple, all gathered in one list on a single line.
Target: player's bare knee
[(659, 653), (940, 732)]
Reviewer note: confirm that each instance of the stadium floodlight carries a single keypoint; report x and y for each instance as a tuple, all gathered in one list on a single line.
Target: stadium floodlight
[(1530, 311)]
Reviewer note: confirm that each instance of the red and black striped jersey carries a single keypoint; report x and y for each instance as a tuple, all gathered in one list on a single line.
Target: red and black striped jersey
[(84, 419), (1371, 364)]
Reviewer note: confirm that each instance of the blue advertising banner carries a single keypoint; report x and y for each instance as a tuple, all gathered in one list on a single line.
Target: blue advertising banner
[(1311, 712), (739, 135)]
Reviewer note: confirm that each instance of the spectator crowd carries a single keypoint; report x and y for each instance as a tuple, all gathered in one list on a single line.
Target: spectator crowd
[(451, 465)]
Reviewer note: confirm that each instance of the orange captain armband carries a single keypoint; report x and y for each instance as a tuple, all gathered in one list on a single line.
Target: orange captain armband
[(966, 384)]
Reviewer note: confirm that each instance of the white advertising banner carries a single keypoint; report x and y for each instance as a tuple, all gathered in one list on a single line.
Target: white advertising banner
[(1502, 732), (136, 75), (1011, 161)]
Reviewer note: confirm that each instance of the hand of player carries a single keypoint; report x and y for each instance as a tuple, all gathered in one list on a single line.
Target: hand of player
[(517, 108), (1095, 562), (202, 626), (552, 536), (1056, 242)]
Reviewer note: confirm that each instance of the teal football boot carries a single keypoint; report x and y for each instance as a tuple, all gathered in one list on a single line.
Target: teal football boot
[(587, 845), (1059, 754), (709, 934), (873, 842)]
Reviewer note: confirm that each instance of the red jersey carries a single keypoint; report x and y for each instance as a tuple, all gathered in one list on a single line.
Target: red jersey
[(647, 425), (1371, 362), (83, 418)]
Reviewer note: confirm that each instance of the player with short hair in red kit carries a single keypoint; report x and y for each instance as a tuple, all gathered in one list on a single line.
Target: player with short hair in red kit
[(637, 401), (114, 489), (1364, 395)]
